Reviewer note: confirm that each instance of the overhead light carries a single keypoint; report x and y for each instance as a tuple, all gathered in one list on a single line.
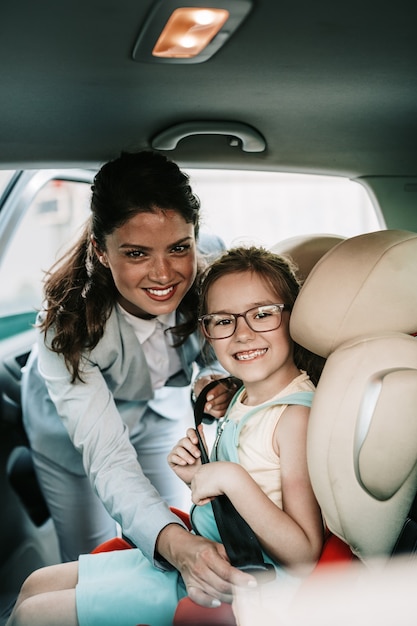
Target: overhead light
[(188, 31)]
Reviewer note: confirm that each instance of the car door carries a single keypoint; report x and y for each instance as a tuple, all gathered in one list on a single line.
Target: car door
[(41, 211)]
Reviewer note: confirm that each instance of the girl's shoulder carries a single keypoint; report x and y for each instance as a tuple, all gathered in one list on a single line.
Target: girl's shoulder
[(299, 391), (301, 382)]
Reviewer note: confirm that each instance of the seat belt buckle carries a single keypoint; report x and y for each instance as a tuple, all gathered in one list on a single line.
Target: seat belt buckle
[(263, 573)]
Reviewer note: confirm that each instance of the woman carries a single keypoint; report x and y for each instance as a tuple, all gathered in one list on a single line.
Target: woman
[(106, 392)]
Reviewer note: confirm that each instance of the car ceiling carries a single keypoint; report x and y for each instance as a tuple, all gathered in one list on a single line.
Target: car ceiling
[(331, 86)]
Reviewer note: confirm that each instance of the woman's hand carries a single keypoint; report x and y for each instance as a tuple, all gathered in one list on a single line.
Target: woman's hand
[(184, 457), (218, 399), (203, 564)]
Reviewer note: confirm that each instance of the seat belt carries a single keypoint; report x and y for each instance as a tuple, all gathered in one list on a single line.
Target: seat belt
[(239, 540)]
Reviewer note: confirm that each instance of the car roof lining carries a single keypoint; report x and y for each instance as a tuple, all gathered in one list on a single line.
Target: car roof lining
[(332, 88)]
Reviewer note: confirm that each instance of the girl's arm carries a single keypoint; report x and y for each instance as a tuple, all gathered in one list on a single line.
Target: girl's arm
[(292, 536)]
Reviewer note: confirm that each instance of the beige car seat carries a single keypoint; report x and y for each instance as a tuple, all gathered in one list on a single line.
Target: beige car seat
[(358, 309)]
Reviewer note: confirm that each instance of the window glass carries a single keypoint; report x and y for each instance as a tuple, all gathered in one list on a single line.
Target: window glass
[(5, 177), (264, 208), (241, 207), (49, 225)]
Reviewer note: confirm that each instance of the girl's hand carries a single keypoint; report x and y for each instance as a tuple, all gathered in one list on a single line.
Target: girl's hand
[(184, 457), (214, 479), (219, 397)]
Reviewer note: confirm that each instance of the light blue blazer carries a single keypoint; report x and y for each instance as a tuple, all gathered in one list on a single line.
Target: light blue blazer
[(84, 427)]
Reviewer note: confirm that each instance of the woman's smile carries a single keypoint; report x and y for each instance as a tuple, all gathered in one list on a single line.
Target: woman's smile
[(153, 261), (161, 294)]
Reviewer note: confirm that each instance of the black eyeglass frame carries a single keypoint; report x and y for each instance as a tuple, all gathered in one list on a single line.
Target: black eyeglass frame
[(282, 308)]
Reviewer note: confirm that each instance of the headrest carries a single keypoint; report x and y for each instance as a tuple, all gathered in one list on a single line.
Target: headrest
[(362, 286), (306, 250)]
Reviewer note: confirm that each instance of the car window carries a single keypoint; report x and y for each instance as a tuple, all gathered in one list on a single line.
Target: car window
[(264, 208), (241, 207), (48, 226)]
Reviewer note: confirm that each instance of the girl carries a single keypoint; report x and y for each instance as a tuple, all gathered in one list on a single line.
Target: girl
[(247, 298), (246, 302)]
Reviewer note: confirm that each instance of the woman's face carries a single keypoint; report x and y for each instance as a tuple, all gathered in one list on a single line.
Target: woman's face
[(153, 261)]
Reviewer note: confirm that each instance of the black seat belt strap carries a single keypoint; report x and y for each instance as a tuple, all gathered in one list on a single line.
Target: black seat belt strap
[(239, 540)]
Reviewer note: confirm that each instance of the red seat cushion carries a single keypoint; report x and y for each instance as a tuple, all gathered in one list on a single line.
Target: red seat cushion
[(116, 543), (189, 613), (334, 551)]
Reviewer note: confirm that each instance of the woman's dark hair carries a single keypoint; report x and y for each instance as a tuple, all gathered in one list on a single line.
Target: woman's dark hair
[(279, 274), (79, 291)]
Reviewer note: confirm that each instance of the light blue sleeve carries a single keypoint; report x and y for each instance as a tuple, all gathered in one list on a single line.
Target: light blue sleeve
[(89, 413)]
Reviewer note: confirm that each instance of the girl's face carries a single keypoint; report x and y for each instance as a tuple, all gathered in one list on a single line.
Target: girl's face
[(262, 360), (152, 258)]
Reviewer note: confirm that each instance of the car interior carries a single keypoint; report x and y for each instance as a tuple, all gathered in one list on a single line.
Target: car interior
[(297, 124)]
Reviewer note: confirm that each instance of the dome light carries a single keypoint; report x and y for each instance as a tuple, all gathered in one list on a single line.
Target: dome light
[(187, 31)]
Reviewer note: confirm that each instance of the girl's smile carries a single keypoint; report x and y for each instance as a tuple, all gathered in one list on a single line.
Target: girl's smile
[(249, 355)]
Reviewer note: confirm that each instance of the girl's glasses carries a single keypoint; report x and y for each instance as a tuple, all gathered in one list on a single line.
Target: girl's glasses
[(260, 319)]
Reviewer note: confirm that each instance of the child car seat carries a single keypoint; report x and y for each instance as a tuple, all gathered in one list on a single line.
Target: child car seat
[(358, 309)]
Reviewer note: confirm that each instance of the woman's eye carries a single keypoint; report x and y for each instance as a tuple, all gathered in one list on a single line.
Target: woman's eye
[(180, 249), (135, 254)]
